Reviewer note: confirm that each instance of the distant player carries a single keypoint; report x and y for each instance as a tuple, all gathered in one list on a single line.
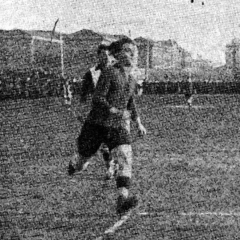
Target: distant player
[(113, 104), (68, 91), (139, 88), (89, 83), (91, 77), (189, 92)]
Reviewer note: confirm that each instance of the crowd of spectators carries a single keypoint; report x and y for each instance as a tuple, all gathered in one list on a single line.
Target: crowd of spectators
[(39, 83), (30, 84), (199, 87)]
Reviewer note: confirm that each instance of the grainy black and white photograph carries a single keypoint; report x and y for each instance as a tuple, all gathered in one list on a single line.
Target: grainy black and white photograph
[(120, 120)]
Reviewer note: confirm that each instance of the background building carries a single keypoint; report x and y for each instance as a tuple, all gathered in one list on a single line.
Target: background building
[(232, 55)]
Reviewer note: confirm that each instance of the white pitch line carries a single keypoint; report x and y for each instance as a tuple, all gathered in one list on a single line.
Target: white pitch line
[(231, 214), (208, 106), (124, 218), (184, 106), (119, 223), (143, 213)]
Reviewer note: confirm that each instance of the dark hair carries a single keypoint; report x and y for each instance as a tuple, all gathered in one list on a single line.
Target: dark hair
[(102, 47), (116, 47)]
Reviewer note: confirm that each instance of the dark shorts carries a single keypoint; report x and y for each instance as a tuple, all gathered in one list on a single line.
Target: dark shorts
[(93, 135)]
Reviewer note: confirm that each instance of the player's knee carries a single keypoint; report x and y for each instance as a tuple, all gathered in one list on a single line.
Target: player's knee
[(126, 151), (123, 153)]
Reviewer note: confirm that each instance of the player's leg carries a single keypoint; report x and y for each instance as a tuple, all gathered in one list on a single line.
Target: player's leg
[(187, 97), (124, 155), (65, 93), (189, 101), (112, 163), (70, 95), (119, 144), (68, 99), (88, 143)]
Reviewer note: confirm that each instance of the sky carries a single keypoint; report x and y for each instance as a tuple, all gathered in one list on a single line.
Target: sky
[(200, 29)]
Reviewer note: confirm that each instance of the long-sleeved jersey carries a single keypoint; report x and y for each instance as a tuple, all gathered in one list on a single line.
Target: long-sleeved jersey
[(114, 89)]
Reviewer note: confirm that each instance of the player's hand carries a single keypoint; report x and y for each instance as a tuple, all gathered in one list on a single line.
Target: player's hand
[(114, 110), (142, 130)]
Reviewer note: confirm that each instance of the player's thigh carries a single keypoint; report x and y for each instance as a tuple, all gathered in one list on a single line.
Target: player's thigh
[(117, 137), (89, 139)]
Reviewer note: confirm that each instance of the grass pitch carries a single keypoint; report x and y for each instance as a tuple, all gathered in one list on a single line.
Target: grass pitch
[(186, 172)]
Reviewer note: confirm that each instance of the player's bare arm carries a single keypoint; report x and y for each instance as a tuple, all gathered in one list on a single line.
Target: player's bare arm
[(135, 116)]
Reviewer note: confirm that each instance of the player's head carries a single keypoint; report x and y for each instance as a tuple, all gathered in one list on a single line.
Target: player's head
[(124, 50), (103, 54), (139, 88)]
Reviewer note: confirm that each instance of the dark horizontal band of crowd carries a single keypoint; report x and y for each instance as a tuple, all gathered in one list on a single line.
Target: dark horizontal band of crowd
[(51, 86)]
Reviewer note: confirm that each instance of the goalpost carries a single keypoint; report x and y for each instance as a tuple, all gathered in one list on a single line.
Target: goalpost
[(51, 53), (147, 62)]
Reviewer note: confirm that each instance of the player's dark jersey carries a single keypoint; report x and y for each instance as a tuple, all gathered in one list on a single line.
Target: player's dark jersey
[(114, 89)]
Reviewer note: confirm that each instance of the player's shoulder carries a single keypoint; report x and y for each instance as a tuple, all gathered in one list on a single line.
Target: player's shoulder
[(87, 74), (111, 71)]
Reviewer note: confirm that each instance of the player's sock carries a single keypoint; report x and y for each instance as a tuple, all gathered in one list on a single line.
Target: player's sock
[(124, 202)]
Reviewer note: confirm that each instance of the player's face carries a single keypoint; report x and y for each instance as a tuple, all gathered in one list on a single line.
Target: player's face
[(139, 88), (127, 55), (103, 57)]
